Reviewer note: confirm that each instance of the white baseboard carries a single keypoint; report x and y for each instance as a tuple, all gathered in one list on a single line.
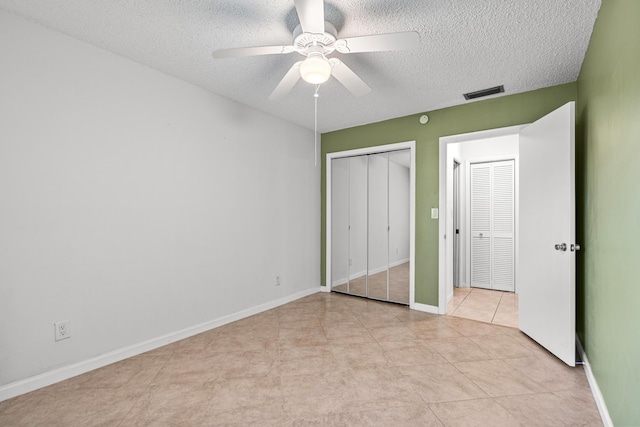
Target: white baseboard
[(353, 276), (338, 282), (399, 262), (425, 308), (595, 390), (26, 385), (449, 297)]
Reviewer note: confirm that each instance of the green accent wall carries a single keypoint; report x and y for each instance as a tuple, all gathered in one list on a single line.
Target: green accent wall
[(608, 186), (493, 113)]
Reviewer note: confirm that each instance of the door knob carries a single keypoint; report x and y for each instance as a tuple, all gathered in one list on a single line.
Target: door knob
[(575, 247), (561, 247)]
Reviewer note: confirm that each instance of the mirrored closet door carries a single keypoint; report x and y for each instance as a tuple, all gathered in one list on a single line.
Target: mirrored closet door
[(370, 225)]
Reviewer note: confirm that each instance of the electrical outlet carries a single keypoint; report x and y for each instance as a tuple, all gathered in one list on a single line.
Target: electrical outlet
[(62, 329), (277, 280)]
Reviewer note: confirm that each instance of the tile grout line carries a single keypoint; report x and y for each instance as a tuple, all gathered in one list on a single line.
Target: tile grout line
[(293, 409), (460, 303), (497, 306)]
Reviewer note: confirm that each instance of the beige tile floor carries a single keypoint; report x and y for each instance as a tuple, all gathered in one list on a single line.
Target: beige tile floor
[(327, 359), (500, 308)]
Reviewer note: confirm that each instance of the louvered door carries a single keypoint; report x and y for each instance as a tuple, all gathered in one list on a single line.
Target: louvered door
[(492, 225), (502, 203), (481, 225)]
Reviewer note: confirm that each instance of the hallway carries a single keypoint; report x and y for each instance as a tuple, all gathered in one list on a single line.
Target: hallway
[(484, 305)]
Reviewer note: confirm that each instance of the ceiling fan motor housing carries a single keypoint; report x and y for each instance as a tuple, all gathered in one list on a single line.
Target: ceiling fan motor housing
[(306, 43)]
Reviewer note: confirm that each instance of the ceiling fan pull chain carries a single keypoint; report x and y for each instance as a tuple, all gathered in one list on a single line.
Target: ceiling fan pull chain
[(315, 125)]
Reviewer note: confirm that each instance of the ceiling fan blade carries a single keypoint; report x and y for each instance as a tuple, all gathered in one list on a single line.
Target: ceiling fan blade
[(348, 78), (379, 42), (286, 84), (252, 51), (311, 15)]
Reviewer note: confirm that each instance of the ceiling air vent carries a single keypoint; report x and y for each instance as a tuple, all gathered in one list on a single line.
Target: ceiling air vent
[(484, 92)]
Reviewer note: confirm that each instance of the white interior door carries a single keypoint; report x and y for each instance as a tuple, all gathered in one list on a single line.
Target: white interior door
[(546, 275)]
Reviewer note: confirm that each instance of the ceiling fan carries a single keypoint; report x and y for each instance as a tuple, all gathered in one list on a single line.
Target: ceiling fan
[(315, 39)]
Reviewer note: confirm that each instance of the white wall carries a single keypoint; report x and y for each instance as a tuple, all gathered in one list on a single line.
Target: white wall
[(135, 204)]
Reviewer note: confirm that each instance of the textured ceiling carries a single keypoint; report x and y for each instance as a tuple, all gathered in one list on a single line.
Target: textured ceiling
[(465, 45)]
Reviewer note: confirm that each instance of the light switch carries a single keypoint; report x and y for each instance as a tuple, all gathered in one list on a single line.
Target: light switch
[(434, 213)]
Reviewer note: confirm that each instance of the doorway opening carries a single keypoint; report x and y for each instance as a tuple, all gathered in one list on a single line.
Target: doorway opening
[(545, 255), (478, 194)]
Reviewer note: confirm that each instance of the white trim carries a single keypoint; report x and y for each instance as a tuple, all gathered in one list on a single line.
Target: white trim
[(426, 308), (412, 225), (397, 263), (35, 382), (411, 145), (450, 297), (327, 228), (374, 149), (483, 134), (442, 226), (593, 384)]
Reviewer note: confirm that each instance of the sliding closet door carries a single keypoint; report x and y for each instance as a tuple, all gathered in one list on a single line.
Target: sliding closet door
[(378, 253), (358, 194), (340, 224), (370, 204), (399, 230)]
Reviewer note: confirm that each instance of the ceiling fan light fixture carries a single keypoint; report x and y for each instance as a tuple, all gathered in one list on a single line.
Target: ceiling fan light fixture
[(316, 69), (315, 39)]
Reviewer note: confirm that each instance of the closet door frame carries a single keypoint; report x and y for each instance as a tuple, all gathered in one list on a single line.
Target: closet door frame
[(410, 145)]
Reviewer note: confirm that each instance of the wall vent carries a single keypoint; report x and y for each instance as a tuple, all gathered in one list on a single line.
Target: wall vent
[(484, 92)]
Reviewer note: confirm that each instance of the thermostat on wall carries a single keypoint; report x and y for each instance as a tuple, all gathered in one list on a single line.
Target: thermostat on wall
[(424, 119)]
